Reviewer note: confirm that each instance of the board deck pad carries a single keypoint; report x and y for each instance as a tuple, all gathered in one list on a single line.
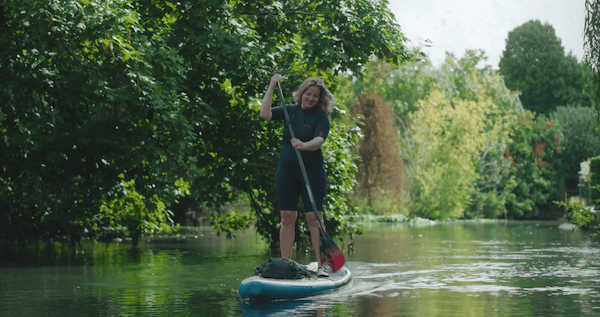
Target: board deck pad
[(259, 288)]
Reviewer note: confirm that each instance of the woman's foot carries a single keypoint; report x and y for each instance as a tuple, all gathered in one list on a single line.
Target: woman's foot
[(323, 272)]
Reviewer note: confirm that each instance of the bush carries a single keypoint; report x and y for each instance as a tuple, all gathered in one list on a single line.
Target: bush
[(578, 215), (131, 213), (535, 154)]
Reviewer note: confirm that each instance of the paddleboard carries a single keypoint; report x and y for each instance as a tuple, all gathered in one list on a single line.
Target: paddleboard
[(259, 288)]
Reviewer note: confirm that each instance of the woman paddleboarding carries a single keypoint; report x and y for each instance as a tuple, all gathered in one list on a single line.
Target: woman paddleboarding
[(309, 125)]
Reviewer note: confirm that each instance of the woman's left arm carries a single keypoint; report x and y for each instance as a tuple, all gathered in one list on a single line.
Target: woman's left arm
[(320, 134), (311, 145)]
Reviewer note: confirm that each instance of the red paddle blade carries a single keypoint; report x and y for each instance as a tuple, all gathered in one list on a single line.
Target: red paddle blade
[(335, 260), (330, 253)]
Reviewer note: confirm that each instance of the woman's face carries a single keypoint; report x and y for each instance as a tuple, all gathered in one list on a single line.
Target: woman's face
[(310, 97)]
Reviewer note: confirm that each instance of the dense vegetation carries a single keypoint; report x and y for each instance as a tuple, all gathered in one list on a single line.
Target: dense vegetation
[(118, 117), (117, 113), (467, 148)]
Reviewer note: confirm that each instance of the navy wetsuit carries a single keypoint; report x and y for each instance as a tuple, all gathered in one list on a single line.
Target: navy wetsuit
[(289, 183)]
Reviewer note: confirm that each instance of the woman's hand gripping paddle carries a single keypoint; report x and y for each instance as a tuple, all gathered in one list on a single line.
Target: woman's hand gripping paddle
[(330, 254)]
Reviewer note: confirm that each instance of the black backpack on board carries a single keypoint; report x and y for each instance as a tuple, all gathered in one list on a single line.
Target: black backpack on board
[(283, 269)]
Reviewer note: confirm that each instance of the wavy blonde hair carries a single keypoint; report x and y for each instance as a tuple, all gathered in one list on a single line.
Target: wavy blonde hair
[(326, 99)]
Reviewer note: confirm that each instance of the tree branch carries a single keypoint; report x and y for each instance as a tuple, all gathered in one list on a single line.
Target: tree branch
[(254, 203)]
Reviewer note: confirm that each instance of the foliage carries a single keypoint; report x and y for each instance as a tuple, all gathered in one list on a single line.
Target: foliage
[(450, 135), (88, 93), (580, 139), (577, 214), (535, 175), (460, 87), (591, 35), (341, 169), (159, 90), (380, 168), (237, 153), (400, 87), (581, 215), (535, 64), (230, 223), (133, 214), (468, 149)]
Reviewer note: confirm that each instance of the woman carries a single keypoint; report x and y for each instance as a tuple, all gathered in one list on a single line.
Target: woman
[(310, 122)]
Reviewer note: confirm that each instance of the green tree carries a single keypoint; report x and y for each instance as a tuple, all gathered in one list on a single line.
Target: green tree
[(591, 47), (450, 136), (534, 63), (88, 94), (161, 91), (580, 139), (249, 39), (128, 212), (400, 87), (231, 49)]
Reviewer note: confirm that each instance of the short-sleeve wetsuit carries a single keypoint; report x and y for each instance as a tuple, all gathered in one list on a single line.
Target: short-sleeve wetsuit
[(289, 183)]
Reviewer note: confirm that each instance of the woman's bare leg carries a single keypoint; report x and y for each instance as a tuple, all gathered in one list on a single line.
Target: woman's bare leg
[(314, 233), (287, 233)]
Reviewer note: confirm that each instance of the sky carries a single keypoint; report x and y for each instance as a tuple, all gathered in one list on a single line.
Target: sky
[(457, 25)]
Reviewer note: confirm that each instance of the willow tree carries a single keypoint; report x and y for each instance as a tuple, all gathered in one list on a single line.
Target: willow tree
[(380, 169)]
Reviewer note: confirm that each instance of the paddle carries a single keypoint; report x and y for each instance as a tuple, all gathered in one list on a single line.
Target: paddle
[(330, 253)]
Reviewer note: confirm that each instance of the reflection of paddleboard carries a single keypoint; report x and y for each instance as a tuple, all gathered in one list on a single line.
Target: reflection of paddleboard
[(256, 287)]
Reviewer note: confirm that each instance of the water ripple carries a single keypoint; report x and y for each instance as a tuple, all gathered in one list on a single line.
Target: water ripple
[(495, 271)]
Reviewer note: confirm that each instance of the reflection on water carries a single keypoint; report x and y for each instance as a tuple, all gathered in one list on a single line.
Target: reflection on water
[(449, 269)]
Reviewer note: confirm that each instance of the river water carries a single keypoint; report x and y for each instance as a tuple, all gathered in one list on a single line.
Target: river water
[(446, 269)]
